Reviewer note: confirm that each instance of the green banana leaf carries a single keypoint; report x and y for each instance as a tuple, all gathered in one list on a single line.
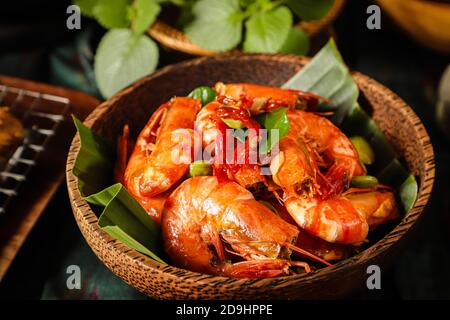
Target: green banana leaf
[(328, 76), (124, 219), (121, 216), (358, 122), (96, 155)]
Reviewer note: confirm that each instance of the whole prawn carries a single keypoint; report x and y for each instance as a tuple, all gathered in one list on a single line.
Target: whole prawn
[(205, 223), (259, 99), (315, 143), (151, 170)]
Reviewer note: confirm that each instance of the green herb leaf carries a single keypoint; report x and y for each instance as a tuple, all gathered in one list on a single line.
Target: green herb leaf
[(274, 120), (175, 2), (112, 13), (246, 3), (146, 12), (267, 31), (328, 76), (86, 6), (408, 192), (94, 156), (122, 216), (297, 42), (216, 24), (125, 220), (310, 9), (123, 58), (204, 93)]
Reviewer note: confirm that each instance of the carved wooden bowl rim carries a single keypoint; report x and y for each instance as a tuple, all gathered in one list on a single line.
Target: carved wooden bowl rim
[(104, 245)]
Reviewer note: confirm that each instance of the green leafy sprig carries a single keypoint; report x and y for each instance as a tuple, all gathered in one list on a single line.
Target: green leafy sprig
[(125, 53), (267, 26)]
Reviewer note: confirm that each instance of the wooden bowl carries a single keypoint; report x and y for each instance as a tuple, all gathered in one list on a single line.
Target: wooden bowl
[(135, 104), (427, 22), (172, 38)]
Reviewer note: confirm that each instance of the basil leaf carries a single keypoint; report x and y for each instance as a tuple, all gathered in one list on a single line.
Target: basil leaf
[(267, 31), (274, 120), (246, 3), (86, 6), (216, 24), (122, 58), (146, 12), (328, 76), (297, 42), (112, 13), (310, 9), (204, 93)]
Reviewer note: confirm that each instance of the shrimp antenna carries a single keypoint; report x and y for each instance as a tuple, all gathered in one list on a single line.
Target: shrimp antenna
[(306, 253)]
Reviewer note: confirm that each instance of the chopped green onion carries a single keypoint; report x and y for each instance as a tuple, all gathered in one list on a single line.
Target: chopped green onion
[(204, 93), (366, 154), (200, 168), (364, 182), (234, 124)]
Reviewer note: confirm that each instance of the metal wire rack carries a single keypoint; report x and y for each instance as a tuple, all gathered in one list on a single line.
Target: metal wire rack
[(41, 115)]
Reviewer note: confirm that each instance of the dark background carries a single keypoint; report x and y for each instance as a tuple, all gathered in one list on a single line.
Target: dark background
[(32, 45)]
